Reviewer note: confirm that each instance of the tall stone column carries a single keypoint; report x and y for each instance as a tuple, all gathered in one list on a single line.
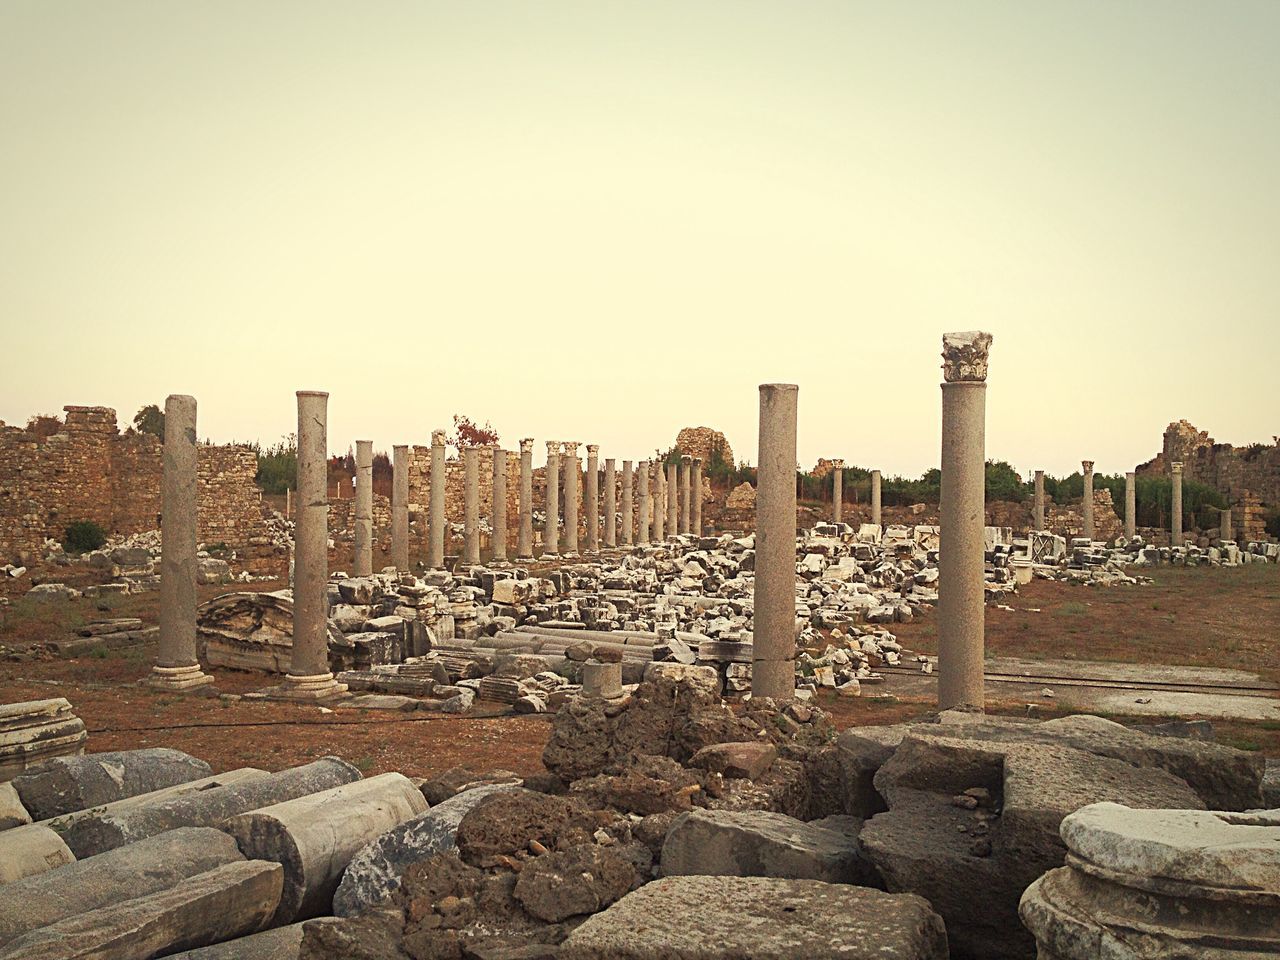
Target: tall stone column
[(774, 631), (1175, 539), (961, 614), (524, 544), (875, 497), (498, 507), (1086, 505), (659, 502), (1037, 506), (1130, 504), (627, 518), (837, 490), (644, 519), (593, 498), (176, 666), (551, 535), (697, 496), (673, 499), (686, 474), (364, 509), (400, 507), (572, 491), (1225, 530), (435, 506), (610, 504), (471, 505), (309, 677)]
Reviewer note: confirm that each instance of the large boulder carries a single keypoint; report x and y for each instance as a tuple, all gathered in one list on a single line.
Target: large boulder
[(718, 918), (762, 844)]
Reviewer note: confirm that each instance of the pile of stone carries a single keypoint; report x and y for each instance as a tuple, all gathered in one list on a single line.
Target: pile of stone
[(1094, 562), (13, 571), (1162, 883), (33, 732)]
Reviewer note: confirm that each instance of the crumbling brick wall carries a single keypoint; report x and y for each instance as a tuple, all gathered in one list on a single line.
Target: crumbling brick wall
[(700, 441), (1238, 472), (90, 471)]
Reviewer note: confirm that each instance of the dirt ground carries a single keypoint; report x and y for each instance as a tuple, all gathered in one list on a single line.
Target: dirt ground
[(1206, 617)]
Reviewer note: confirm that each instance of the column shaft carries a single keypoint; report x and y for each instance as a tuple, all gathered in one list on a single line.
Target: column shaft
[(1175, 539), (400, 507), (645, 506), (524, 546), (1086, 505), (363, 566), (697, 497), (875, 497), (774, 617), (309, 661), (673, 499), (176, 666), (471, 505), (610, 504), (572, 491), (551, 533), (593, 498), (1130, 504), (439, 480), (837, 492), (498, 506), (1037, 508), (961, 614), (627, 519)]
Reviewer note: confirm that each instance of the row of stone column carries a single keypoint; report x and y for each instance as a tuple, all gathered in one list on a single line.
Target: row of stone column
[(682, 510), (837, 493), (1130, 504)]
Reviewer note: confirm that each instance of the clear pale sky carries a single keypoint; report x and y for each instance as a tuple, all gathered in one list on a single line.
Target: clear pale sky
[(603, 221)]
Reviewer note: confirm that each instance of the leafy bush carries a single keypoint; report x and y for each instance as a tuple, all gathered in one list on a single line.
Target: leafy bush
[(149, 419), (278, 466), (83, 536)]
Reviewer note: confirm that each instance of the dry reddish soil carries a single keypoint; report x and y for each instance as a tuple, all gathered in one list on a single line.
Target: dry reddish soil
[(1228, 618)]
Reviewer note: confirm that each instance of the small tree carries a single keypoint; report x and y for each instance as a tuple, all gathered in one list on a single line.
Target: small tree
[(467, 433), (83, 536), (149, 419), (278, 466)]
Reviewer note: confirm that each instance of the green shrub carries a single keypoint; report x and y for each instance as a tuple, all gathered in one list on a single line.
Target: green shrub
[(278, 466), (83, 536)]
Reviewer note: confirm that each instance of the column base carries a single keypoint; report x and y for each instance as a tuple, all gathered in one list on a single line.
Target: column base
[(320, 686), (178, 679)]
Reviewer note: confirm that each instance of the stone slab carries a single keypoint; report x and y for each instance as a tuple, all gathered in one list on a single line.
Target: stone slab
[(758, 918)]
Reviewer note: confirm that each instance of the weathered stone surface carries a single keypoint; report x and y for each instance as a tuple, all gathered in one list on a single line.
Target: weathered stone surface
[(371, 936), (762, 844), (136, 870), (66, 784), (927, 844), (34, 731), (315, 836), (282, 943), (585, 878), (758, 918), (376, 871), (503, 824), (30, 850), (746, 760), (229, 901), (457, 780), (96, 833), (1148, 884), (12, 812)]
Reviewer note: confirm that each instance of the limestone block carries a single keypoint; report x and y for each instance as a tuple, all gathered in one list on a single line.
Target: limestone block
[(758, 843), (761, 918)]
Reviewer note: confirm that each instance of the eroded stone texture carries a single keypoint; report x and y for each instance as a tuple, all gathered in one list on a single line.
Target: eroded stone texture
[(759, 918), (584, 878), (66, 784)]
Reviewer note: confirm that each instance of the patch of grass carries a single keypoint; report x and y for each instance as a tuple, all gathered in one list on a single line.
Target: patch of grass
[(1072, 608), (363, 764), (100, 653), (1241, 744)]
